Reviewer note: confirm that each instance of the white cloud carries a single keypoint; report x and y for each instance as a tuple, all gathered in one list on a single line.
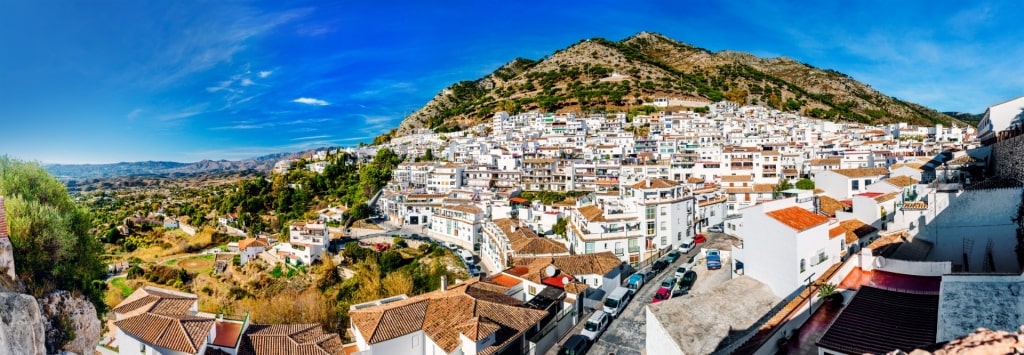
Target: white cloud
[(266, 73), (311, 137), (246, 82), (134, 114), (310, 101)]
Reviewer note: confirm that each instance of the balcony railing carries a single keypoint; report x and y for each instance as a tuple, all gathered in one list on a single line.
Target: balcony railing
[(620, 251)]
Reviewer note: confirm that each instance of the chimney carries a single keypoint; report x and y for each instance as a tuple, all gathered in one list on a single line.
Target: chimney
[(648, 182), (444, 283)]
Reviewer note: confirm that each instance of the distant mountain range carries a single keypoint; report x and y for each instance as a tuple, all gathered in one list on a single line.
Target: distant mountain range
[(971, 118), (264, 163), (598, 75)]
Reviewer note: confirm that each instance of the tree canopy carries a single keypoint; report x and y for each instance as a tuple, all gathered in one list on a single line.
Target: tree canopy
[(50, 233)]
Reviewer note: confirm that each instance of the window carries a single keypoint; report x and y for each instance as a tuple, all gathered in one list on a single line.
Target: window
[(664, 226), (650, 227), (855, 184), (650, 212), (803, 265), (867, 182), (664, 210), (634, 245), (589, 248), (664, 240), (679, 236)]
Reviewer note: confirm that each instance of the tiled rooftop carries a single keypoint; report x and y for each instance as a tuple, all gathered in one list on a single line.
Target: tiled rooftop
[(798, 218)]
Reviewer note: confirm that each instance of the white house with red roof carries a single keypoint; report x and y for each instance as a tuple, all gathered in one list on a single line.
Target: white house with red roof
[(785, 244), (307, 242), (250, 248)]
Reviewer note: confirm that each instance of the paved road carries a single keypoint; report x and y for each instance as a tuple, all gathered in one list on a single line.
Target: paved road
[(627, 334)]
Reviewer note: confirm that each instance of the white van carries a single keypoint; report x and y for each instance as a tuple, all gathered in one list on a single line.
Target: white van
[(687, 245), (596, 325), (616, 301)]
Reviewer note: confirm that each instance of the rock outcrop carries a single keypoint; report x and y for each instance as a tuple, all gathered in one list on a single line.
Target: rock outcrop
[(21, 325), (70, 321)]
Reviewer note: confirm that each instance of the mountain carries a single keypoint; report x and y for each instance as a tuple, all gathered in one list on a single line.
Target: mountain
[(970, 118), (66, 172), (598, 75)]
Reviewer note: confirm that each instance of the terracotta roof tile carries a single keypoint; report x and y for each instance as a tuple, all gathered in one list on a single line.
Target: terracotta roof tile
[(763, 188), (156, 300), (228, 334), (900, 181), (655, 184), (829, 205), (591, 213), (826, 161), (300, 339), (855, 229), (915, 205), (253, 242), (579, 264), (184, 333), (576, 288), (862, 172), (886, 197), (737, 178), (835, 232), (465, 208), (442, 315), (798, 218)]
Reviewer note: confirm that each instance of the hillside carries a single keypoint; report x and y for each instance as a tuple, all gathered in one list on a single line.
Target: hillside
[(67, 172), (599, 75)]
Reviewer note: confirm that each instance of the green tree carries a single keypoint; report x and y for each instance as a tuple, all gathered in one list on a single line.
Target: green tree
[(560, 227), (53, 248), (805, 184), (783, 185)]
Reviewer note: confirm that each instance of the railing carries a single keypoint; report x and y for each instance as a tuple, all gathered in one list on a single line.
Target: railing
[(620, 251)]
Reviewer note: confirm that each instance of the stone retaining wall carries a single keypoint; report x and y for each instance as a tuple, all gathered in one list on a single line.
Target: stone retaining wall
[(1009, 158)]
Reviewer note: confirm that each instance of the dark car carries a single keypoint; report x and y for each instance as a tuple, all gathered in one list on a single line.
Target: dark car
[(658, 266), (576, 345), (672, 256), (686, 282)]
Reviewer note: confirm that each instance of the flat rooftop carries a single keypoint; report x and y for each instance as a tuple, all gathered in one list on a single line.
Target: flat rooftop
[(705, 321)]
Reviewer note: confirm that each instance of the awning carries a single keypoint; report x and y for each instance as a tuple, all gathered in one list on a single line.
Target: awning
[(518, 200)]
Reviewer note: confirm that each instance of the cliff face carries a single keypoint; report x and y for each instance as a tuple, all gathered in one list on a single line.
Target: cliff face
[(21, 325), (70, 321)]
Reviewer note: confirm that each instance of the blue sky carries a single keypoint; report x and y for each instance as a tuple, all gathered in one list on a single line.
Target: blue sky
[(123, 80)]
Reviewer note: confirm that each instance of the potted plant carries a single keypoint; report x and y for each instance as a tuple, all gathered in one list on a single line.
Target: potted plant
[(831, 295)]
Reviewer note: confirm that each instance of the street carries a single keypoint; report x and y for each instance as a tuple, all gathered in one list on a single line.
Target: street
[(626, 334)]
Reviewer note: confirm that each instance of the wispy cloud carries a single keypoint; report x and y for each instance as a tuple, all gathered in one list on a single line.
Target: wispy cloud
[(246, 82), (134, 114), (264, 74), (178, 116), (238, 127), (311, 138), (310, 101)]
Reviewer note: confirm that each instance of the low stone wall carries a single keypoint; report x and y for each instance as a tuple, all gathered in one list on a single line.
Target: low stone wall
[(1009, 158)]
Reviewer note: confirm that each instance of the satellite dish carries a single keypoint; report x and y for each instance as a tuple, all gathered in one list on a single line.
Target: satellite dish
[(565, 280), (550, 270)]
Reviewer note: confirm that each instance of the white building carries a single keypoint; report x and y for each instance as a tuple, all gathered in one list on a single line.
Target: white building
[(307, 241), (784, 245), (459, 224), (844, 183)]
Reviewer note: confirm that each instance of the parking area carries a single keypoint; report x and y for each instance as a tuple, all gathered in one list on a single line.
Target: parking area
[(626, 334)]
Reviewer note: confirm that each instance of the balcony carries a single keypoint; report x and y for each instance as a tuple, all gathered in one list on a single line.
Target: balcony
[(620, 251)]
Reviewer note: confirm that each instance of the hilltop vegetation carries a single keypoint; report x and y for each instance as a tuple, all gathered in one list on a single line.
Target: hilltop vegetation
[(598, 75), (54, 249)]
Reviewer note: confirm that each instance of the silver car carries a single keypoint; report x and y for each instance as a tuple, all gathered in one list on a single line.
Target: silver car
[(596, 325)]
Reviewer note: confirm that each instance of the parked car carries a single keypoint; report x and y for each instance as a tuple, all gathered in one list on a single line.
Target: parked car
[(714, 259), (686, 282), (596, 325), (636, 281), (716, 228), (687, 245), (672, 256), (700, 238), (679, 292), (663, 293), (576, 345), (658, 266), (669, 282), (680, 271)]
